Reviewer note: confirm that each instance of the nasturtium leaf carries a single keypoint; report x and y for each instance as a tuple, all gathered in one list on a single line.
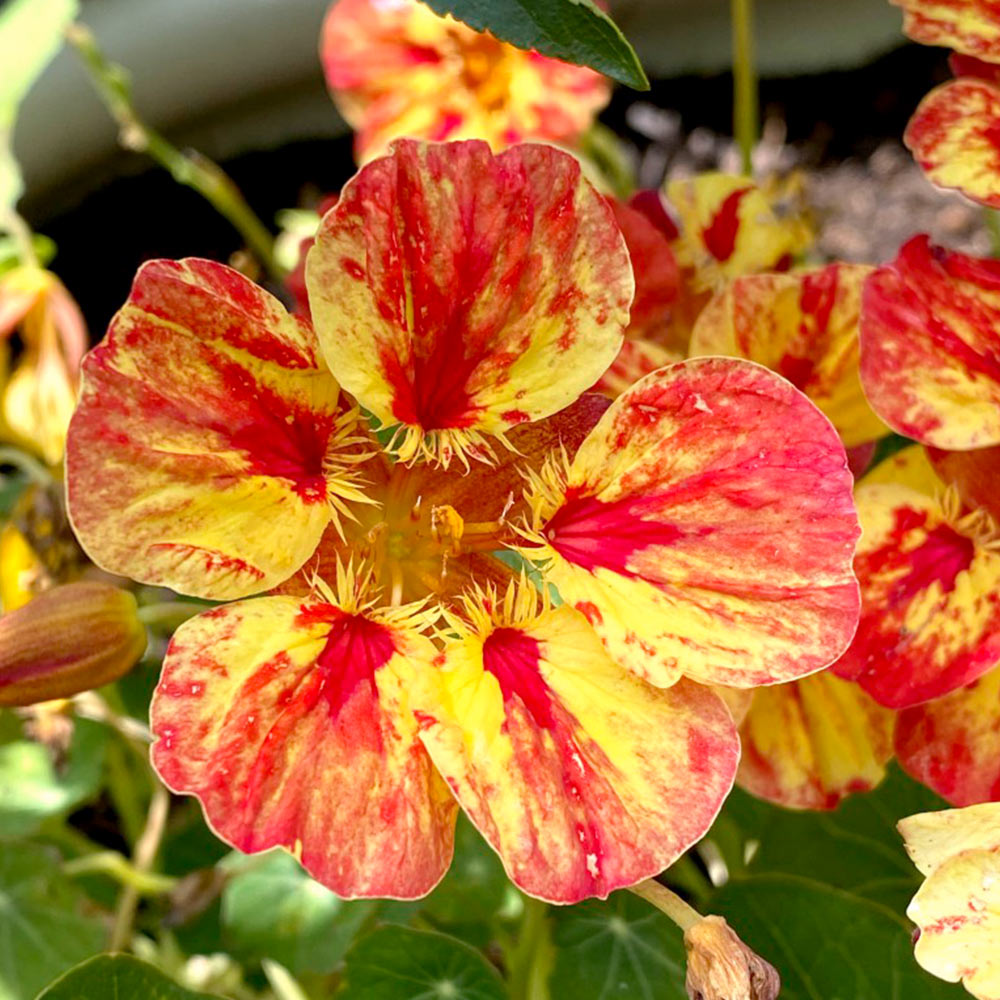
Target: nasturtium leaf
[(618, 947), (33, 788), (275, 910), (43, 927), (577, 31), (118, 977), (827, 944), (397, 963)]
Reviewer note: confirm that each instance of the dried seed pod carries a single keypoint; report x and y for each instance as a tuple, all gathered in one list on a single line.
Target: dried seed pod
[(721, 967)]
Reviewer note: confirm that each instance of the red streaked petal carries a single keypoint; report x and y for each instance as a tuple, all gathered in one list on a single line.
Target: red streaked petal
[(636, 359), (974, 474), (292, 722), (808, 744), (969, 26), (953, 136), (706, 528), (459, 293), (583, 778), (952, 744), (930, 348), (930, 618), (201, 455)]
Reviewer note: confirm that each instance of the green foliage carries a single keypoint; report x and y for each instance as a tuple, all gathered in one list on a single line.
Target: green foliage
[(577, 31), (397, 963), (117, 976), (44, 924), (617, 948)]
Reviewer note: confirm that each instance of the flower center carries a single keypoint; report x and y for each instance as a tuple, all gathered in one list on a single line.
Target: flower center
[(486, 70)]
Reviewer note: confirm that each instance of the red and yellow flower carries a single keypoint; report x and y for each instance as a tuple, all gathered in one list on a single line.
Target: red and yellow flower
[(395, 68), (699, 530)]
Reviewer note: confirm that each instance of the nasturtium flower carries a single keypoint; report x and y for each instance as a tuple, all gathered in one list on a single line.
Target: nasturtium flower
[(809, 743), (929, 346), (395, 68), (40, 392), (971, 27), (957, 909), (804, 326), (698, 528)]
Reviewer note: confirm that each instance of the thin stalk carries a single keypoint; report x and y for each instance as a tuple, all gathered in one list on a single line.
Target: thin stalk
[(118, 867), (20, 233), (668, 902), (168, 615), (187, 167), (528, 959), (27, 464), (746, 112)]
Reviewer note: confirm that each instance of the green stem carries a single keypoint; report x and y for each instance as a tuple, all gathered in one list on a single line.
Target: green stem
[(604, 149), (186, 167), (121, 788), (119, 868), (12, 222), (170, 614), (28, 464), (992, 218), (529, 961), (668, 902), (746, 114)]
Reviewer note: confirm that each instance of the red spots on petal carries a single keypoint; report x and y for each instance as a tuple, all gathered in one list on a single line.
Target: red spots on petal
[(512, 657), (515, 416), (591, 612), (720, 236), (353, 268), (797, 370)]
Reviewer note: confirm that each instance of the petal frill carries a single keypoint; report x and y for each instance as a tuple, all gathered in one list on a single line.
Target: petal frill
[(809, 743), (930, 590), (930, 363), (933, 837), (953, 136), (460, 294), (293, 723), (706, 527), (804, 326), (958, 913), (968, 26), (952, 744), (583, 778), (208, 449)]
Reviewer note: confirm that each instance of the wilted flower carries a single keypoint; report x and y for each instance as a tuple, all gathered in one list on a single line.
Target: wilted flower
[(957, 909), (721, 967), (465, 300), (395, 68)]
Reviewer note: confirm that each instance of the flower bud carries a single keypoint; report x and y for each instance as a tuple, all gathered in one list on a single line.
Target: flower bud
[(68, 639), (721, 967)]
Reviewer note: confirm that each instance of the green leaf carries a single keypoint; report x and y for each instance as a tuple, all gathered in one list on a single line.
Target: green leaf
[(118, 977), (44, 929), (828, 944), (275, 910), (577, 31), (33, 788), (621, 947), (397, 963)]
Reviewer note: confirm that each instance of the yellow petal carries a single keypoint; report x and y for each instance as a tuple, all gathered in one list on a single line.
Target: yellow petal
[(934, 837)]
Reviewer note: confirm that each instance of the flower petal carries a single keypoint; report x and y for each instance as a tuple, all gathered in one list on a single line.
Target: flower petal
[(930, 618), (969, 26), (706, 528), (974, 474), (459, 293), (203, 453), (809, 743), (292, 722), (958, 912), (804, 326), (953, 136), (952, 744), (636, 359), (929, 346), (397, 69), (582, 778), (934, 837)]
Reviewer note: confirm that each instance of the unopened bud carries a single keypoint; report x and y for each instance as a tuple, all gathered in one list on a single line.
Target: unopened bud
[(68, 639), (721, 967)]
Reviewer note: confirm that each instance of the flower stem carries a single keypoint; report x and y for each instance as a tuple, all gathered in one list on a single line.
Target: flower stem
[(20, 232), (168, 615), (119, 868), (745, 97), (27, 464), (187, 167), (668, 902), (529, 962)]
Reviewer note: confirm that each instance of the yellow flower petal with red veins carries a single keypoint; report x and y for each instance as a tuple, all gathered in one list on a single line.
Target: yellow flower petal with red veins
[(398, 69), (934, 837), (706, 527), (930, 343), (292, 721), (952, 744), (208, 451), (953, 136), (582, 778), (636, 359), (804, 326), (809, 743), (729, 227), (968, 26), (930, 587), (958, 913), (974, 474), (460, 294)]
